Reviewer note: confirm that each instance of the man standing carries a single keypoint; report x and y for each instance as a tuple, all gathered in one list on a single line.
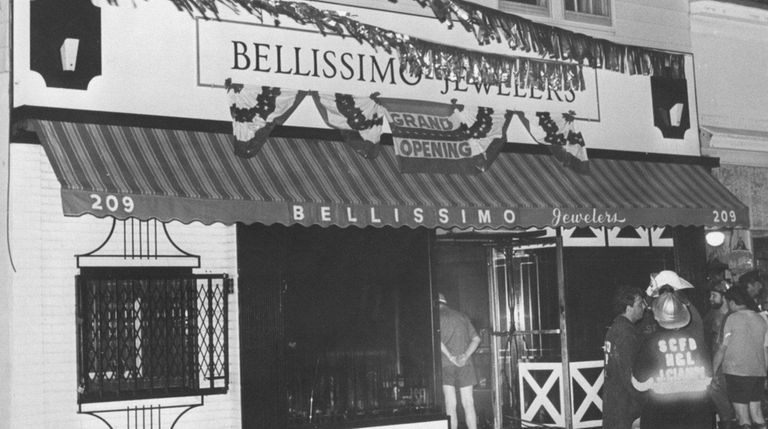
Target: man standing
[(742, 354), (673, 368), (620, 401), (458, 341), (713, 323)]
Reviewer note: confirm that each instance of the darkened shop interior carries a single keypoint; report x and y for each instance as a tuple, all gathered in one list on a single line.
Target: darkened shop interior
[(592, 274), (351, 325), (358, 323), (339, 326)]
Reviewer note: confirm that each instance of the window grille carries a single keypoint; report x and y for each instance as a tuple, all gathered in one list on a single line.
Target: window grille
[(151, 335)]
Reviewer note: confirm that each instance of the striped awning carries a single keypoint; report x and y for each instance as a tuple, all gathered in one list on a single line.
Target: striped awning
[(145, 173)]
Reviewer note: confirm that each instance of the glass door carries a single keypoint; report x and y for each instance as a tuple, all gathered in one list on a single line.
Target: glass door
[(528, 342)]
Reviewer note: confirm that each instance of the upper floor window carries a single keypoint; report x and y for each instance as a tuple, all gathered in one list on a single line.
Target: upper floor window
[(534, 7), (587, 11), (590, 11)]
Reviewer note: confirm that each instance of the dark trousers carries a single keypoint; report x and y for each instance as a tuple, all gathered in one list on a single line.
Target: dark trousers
[(619, 408), (719, 397), (671, 414)]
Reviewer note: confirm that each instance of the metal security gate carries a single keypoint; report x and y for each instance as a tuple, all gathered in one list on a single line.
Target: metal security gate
[(155, 335)]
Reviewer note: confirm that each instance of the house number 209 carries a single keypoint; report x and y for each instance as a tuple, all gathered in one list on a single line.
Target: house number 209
[(724, 216), (112, 203)]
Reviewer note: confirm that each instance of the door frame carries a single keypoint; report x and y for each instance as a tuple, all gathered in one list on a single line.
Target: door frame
[(498, 335)]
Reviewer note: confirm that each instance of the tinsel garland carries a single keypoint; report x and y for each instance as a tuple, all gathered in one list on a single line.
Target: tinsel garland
[(437, 61), (417, 57), (490, 24)]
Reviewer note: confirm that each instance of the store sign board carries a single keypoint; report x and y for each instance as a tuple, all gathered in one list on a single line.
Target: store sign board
[(77, 202), (301, 58)]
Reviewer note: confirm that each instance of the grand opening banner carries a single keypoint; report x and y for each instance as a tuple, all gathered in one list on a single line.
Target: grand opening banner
[(445, 138), (428, 137)]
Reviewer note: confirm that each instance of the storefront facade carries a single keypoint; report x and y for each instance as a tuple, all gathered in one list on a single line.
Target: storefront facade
[(166, 273)]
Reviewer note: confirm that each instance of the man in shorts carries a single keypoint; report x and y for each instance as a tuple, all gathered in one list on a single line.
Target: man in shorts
[(742, 354), (458, 341)]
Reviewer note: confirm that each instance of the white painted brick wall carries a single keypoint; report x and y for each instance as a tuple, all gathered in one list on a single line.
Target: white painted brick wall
[(44, 243)]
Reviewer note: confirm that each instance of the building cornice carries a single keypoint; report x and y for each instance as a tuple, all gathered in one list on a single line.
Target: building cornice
[(740, 12), (735, 146), (738, 157)]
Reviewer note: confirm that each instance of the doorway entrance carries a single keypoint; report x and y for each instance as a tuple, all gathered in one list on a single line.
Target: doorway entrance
[(512, 290), (528, 314)]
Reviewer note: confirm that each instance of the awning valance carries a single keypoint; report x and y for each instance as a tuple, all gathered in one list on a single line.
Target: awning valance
[(128, 171)]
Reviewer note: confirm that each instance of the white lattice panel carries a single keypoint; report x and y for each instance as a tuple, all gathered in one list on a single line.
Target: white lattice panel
[(592, 390), (539, 403)]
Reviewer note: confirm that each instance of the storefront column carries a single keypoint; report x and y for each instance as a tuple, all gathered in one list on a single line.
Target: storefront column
[(564, 337), (262, 260), (691, 254)]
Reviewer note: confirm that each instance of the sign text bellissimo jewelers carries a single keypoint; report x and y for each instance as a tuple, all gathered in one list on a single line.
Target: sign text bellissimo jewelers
[(301, 58), (281, 58)]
